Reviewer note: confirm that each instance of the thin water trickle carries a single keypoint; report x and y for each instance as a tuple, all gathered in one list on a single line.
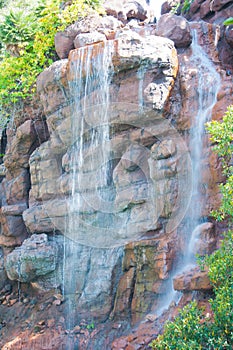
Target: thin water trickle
[(208, 85)]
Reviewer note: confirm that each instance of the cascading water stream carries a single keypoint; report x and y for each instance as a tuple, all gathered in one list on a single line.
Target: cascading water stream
[(89, 87), (208, 84)]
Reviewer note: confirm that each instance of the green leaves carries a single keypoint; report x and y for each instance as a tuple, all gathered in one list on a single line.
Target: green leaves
[(27, 32), (228, 21), (18, 28), (222, 138)]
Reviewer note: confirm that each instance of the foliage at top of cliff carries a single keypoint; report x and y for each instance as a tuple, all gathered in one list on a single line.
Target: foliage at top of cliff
[(27, 30)]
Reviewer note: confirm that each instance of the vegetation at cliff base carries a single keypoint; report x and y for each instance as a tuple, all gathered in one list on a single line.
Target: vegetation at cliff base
[(194, 328), (27, 30)]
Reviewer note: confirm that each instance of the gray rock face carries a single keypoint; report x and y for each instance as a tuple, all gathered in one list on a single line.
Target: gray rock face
[(36, 257), (3, 276), (175, 28), (88, 39)]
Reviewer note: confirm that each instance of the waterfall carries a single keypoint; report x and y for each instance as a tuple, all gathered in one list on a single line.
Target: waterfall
[(208, 85), (89, 87)]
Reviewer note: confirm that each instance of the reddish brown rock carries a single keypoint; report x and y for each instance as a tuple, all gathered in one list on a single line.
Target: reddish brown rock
[(22, 145), (216, 5), (175, 28), (13, 226), (16, 189), (210, 11), (124, 294), (193, 280), (65, 41), (168, 5), (205, 9)]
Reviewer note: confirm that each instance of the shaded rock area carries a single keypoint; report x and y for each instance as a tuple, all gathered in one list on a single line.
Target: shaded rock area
[(120, 271)]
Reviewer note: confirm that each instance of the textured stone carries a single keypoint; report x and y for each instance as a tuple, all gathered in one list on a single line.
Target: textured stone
[(193, 280), (16, 189), (36, 257), (229, 35), (52, 86), (108, 280), (84, 39), (125, 9), (218, 4), (124, 294), (3, 277), (13, 226), (151, 261), (175, 28), (22, 145), (164, 150), (168, 5), (106, 25)]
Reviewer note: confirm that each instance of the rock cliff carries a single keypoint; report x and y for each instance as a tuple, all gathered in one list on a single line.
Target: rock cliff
[(133, 232)]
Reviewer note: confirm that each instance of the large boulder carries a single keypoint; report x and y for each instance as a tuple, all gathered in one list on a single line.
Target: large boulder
[(36, 257), (105, 25), (175, 28), (84, 39), (192, 280)]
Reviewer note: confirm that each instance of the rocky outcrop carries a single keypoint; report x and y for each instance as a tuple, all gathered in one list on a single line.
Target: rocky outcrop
[(192, 280), (16, 184), (150, 261), (36, 257), (175, 28)]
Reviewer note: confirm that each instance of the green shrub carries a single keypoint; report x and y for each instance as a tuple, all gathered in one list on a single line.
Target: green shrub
[(29, 44), (222, 138)]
